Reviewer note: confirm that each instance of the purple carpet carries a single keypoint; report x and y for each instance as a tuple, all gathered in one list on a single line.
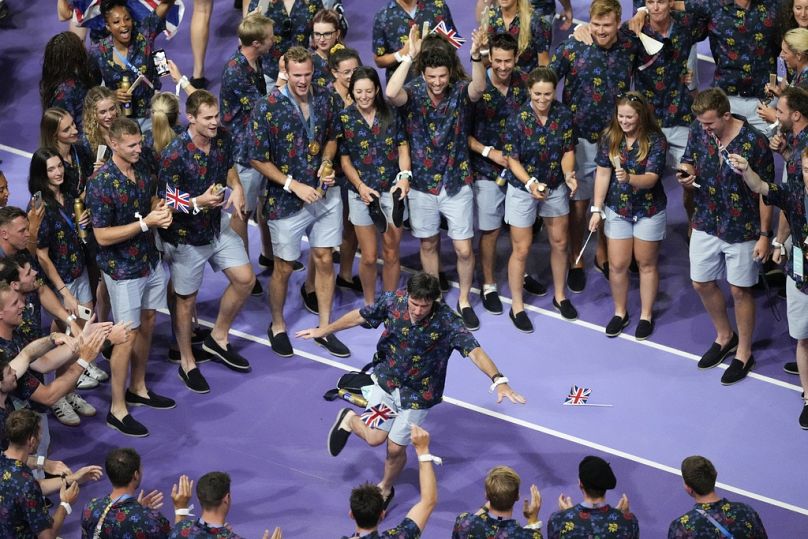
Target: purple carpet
[(268, 428)]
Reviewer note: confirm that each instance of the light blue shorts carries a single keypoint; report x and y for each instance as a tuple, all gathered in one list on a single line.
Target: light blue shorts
[(358, 213), (521, 207), (646, 228), (797, 305), (130, 296), (253, 184), (80, 288), (321, 222), (710, 257), (426, 209), (489, 199), (585, 167), (399, 427)]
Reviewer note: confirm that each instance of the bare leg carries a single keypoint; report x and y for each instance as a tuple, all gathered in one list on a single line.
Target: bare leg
[(119, 369), (278, 286), (557, 233), (393, 464), (140, 353), (391, 271), (521, 238), (242, 280), (367, 261), (465, 269), (647, 254), (429, 254), (488, 254), (619, 260), (745, 319), (183, 327), (713, 300), (200, 28), (324, 283), (577, 227), (347, 250)]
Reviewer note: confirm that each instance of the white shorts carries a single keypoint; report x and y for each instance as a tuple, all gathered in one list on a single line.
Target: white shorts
[(187, 262), (426, 209), (130, 296), (710, 257), (321, 222), (646, 229), (399, 427), (489, 199)]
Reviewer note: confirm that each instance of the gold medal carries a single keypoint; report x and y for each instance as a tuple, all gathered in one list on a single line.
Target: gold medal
[(314, 148)]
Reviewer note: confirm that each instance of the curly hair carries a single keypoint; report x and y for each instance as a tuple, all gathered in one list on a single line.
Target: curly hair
[(91, 128), (65, 59)]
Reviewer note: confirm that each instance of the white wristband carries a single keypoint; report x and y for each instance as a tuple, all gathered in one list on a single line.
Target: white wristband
[(143, 226), (196, 207), (70, 318), (184, 511), (67, 507), (404, 174), (535, 526), (288, 185), (596, 209), (498, 382), (40, 461), (486, 151), (401, 58), (83, 363), (644, 9), (430, 458)]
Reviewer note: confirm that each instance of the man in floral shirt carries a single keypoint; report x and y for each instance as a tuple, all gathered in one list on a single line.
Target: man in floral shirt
[(504, 93), (392, 25), (124, 215), (435, 109), (23, 514), (594, 75), (293, 143), (731, 225), (494, 519), (410, 365), (124, 513), (593, 517), (712, 516)]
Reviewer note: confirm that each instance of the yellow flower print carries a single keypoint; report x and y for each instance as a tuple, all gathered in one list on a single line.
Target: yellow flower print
[(364, 144), (244, 100), (569, 526), (487, 96), (597, 81), (343, 117), (382, 171), (290, 137), (612, 527), (388, 141)]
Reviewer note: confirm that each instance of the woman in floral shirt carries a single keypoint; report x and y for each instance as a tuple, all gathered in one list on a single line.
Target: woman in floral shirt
[(325, 36), (631, 161), (516, 17), (65, 75)]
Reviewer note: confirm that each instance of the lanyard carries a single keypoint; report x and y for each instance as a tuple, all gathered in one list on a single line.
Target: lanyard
[(67, 217), (725, 532), (122, 497), (310, 124), (131, 68)]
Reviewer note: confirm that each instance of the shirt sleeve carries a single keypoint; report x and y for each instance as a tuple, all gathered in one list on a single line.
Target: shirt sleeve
[(463, 341), (260, 120), (602, 157), (376, 314), (36, 514), (541, 33), (764, 160), (380, 34), (657, 155), (100, 204), (689, 156), (512, 135), (559, 63), (44, 233)]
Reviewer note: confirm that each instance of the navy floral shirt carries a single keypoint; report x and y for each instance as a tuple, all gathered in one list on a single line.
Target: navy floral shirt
[(69, 95), (391, 26), (724, 206), (78, 169), (744, 42), (407, 529), (242, 87), (196, 529), (582, 522), (629, 202), (541, 35), (539, 148), (185, 167), (662, 78), (126, 519), (790, 199), (279, 135), (593, 77), (738, 518), (438, 137), (489, 117), (322, 76), (373, 154), (291, 29), (113, 199), (58, 234), (23, 514), (484, 526), (414, 357), (102, 61)]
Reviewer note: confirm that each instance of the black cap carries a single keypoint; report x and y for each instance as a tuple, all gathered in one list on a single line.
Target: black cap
[(595, 473)]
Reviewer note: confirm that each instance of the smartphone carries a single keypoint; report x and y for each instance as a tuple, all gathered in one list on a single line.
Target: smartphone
[(102, 151), (773, 79), (36, 200), (160, 62), (682, 173), (425, 29), (84, 312)]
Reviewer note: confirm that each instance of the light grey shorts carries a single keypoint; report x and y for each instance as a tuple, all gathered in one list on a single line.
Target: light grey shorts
[(426, 209), (399, 427), (797, 304), (521, 207), (128, 297), (646, 229), (321, 222), (253, 184), (358, 213), (80, 288), (677, 142), (710, 257), (585, 153), (489, 199)]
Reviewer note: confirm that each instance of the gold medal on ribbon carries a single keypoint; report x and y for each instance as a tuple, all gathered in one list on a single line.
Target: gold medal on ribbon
[(314, 148)]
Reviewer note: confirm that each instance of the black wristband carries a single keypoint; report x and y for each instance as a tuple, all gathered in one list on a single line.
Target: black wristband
[(768, 234), (496, 375), (478, 59)]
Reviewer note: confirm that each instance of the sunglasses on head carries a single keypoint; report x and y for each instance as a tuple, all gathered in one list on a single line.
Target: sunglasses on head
[(630, 97)]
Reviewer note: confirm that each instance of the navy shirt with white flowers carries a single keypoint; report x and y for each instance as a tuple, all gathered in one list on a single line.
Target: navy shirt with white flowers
[(69, 95), (539, 147), (242, 88), (102, 61), (198, 529), (489, 121), (23, 514), (724, 206), (185, 167), (113, 199), (407, 529), (593, 78), (414, 356), (627, 201)]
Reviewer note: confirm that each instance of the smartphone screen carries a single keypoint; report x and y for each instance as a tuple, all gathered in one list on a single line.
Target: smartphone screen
[(160, 62)]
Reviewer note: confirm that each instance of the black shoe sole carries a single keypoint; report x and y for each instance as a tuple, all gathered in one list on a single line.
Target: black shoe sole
[(626, 321), (335, 354), (114, 427), (340, 416)]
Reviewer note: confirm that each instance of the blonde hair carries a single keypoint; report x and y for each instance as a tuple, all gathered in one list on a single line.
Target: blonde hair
[(165, 110), (91, 128), (601, 8), (797, 41), (253, 28), (524, 10), (502, 488)]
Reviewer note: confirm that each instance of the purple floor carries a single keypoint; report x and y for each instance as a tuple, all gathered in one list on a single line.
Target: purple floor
[(267, 428)]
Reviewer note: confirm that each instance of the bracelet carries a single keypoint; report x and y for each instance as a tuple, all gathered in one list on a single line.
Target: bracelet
[(63, 287), (478, 59), (486, 151), (530, 182), (534, 526), (768, 234), (597, 209), (404, 58), (143, 226), (430, 458), (67, 507), (70, 318), (498, 382), (184, 511), (288, 185), (40, 461), (83, 363)]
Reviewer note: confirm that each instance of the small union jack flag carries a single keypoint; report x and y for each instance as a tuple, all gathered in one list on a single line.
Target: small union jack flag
[(454, 39), (578, 395), (376, 415), (178, 200)]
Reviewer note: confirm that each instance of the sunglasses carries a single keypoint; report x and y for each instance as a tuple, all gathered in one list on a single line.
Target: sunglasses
[(634, 98)]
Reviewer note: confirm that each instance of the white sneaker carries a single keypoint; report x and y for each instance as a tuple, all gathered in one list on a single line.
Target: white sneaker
[(96, 374), (65, 413), (80, 405), (87, 382)]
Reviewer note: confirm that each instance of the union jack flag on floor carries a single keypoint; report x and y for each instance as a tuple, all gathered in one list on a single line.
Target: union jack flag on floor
[(177, 199), (454, 39), (376, 415), (578, 395), (87, 13)]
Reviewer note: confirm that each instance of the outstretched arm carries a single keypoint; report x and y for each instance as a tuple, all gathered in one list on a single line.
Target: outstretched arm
[(484, 362)]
